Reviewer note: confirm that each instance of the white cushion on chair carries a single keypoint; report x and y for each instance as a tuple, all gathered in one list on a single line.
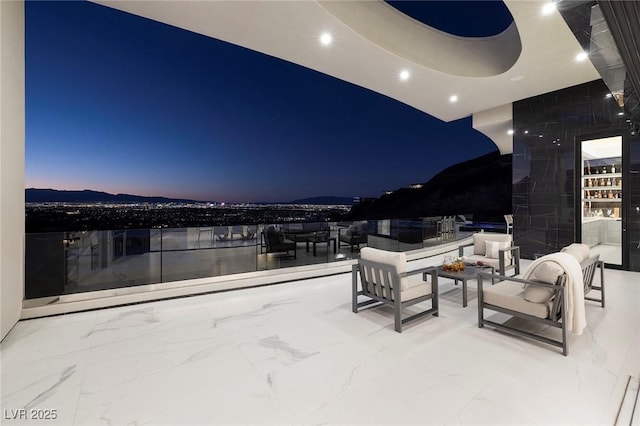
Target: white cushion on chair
[(509, 295), (414, 287), (577, 250), (485, 260), (494, 247), (396, 259), (547, 272), (480, 241), (411, 287), (537, 294)]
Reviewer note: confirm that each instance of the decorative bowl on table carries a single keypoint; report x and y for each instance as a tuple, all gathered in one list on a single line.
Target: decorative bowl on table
[(453, 264)]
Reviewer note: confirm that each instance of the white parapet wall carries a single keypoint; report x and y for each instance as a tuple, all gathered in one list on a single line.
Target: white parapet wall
[(12, 148)]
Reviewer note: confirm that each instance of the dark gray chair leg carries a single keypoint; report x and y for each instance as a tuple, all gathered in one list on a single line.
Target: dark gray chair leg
[(480, 303), (354, 288)]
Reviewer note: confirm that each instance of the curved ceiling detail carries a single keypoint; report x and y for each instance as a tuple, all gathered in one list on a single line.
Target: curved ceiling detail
[(401, 35), (290, 30), (464, 18)]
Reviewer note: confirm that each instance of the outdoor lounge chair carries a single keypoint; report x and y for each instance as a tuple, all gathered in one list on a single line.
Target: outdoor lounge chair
[(275, 242), (495, 250), (540, 298), (355, 235), (385, 281)]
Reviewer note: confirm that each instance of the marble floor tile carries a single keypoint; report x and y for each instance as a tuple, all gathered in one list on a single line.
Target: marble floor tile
[(133, 358), (484, 412), (143, 398), (44, 388), (403, 393), (295, 354), (250, 402), (545, 390), (32, 343)]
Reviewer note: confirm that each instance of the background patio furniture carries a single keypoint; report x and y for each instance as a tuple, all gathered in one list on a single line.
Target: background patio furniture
[(356, 234), (275, 242), (503, 259)]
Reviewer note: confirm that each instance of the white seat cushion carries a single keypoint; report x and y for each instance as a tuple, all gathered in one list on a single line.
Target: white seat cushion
[(510, 295), (414, 287), (474, 258)]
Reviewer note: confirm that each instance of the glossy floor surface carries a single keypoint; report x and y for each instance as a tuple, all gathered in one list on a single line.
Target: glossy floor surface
[(295, 354)]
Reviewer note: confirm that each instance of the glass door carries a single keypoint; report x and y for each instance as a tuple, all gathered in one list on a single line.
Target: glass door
[(601, 185)]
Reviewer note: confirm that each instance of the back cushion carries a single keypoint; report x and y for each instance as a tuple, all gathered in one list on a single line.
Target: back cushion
[(494, 247), (480, 239), (547, 272), (577, 250), (537, 294), (398, 259)]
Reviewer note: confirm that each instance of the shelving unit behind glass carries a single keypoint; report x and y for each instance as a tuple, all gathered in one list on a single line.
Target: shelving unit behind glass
[(602, 187)]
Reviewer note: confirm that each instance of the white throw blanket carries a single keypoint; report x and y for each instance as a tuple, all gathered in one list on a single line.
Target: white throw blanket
[(574, 288)]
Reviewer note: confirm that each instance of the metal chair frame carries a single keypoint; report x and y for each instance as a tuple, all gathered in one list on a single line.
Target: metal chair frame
[(556, 315), (385, 290)]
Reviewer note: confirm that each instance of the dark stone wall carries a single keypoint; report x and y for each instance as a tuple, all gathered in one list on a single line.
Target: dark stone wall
[(547, 130)]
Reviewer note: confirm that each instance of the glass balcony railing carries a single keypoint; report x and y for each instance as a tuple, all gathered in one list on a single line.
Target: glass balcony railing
[(79, 262)]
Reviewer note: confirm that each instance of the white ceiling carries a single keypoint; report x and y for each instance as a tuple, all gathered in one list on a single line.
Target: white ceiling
[(373, 42)]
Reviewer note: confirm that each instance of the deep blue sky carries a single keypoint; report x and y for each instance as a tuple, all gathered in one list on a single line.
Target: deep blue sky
[(122, 104)]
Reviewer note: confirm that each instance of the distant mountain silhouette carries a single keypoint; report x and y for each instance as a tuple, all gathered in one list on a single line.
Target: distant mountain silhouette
[(33, 195), (481, 186), (325, 200)]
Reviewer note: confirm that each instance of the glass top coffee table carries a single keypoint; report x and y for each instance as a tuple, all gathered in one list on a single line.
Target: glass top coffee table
[(470, 272)]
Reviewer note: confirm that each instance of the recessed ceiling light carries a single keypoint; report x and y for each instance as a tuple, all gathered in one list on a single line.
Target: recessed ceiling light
[(621, 113), (539, 136), (453, 98), (608, 95), (582, 56), (404, 75), (510, 131), (526, 132), (548, 8), (326, 39)]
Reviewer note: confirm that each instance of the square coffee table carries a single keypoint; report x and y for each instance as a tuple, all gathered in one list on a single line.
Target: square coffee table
[(470, 272)]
